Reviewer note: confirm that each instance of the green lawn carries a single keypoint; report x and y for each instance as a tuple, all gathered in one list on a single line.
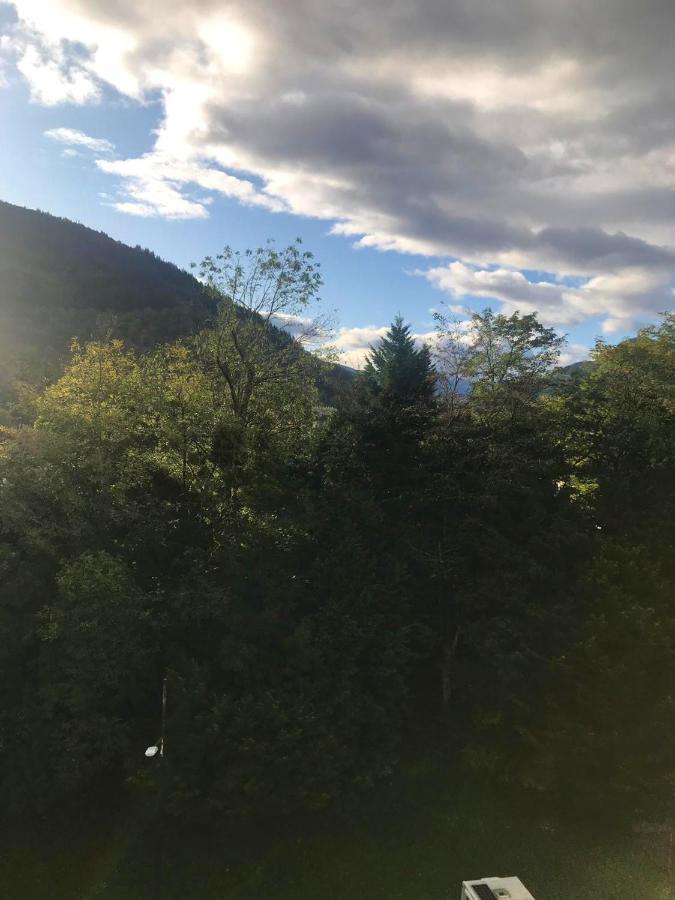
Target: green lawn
[(416, 840)]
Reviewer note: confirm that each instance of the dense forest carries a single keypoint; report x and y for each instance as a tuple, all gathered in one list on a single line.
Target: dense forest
[(60, 280), (462, 551)]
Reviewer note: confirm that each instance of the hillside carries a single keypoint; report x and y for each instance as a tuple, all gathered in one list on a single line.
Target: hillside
[(59, 279)]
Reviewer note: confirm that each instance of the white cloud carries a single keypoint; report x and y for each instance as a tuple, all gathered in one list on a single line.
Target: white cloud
[(354, 344), (73, 137), (158, 181), (622, 299), (150, 197), (292, 323), (51, 82), (523, 136), (574, 353), (556, 303), (314, 332)]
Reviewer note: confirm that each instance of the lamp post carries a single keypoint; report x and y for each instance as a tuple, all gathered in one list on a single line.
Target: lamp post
[(158, 748), (152, 751)]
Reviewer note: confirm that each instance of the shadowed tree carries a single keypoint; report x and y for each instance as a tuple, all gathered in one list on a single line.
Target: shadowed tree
[(390, 412), (397, 370)]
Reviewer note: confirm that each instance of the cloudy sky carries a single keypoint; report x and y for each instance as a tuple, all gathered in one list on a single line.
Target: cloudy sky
[(515, 154)]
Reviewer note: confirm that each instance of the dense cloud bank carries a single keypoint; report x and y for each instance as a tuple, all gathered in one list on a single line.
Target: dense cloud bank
[(521, 136)]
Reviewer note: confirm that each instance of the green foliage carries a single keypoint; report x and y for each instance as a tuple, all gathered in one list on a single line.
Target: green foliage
[(505, 361), (265, 281), (604, 728), (468, 552), (396, 370), (299, 707), (61, 280), (255, 292), (621, 425), (610, 714), (96, 664), (161, 530)]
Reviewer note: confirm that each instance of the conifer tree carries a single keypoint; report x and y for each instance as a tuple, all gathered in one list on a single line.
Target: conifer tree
[(397, 370)]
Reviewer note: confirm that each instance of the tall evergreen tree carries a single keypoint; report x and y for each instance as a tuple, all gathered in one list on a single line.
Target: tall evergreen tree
[(397, 370)]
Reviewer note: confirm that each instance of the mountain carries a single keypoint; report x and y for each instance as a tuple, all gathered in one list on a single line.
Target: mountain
[(564, 377), (577, 371), (59, 279)]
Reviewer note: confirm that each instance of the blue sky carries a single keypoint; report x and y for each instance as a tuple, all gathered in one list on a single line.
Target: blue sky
[(365, 287), (452, 169)]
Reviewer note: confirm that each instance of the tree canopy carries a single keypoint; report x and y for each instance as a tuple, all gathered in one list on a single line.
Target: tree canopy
[(459, 550)]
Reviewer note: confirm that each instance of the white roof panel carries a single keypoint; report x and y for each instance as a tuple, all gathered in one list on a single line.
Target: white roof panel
[(510, 888)]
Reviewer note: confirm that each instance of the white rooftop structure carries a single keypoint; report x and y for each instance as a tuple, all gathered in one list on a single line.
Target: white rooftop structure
[(510, 888)]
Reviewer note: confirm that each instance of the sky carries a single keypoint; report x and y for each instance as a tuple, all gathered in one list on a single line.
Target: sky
[(435, 154)]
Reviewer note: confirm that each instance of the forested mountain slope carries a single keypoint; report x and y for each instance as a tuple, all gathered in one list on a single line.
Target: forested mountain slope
[(59, 279)]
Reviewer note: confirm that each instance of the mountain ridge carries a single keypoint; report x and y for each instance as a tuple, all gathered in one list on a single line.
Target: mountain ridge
[(60, 279)]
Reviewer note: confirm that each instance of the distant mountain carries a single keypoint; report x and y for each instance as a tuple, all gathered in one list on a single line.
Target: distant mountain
[(59, 279), (578, 370), (574, 372)]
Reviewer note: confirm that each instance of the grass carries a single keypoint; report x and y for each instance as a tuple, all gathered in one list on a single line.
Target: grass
[(415, 840)]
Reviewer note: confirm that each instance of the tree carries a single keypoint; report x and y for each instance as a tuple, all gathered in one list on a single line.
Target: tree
[(397, 371), (504, 531), (610, 717), (376, 436), (122, 556), (258, 293), (503, 360), (98, 666), (318, 584), (620, 427)]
